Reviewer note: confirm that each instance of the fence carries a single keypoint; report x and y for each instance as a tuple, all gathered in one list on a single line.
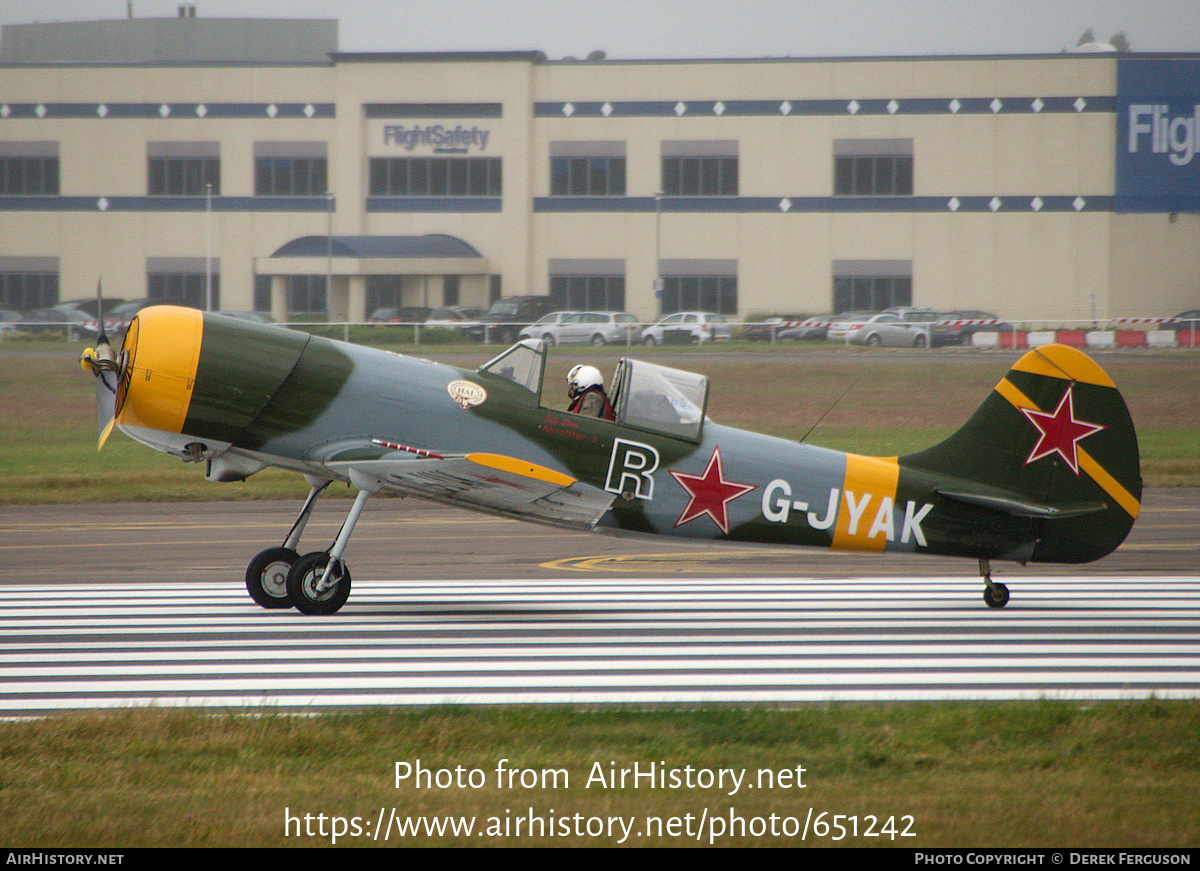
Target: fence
[(1099, 334)]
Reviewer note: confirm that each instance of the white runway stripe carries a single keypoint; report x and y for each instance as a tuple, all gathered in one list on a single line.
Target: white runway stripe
[(625, 641)]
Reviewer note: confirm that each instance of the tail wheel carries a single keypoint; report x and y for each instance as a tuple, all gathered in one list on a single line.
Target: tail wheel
[(996, 595), (304, 578), (267, 574)]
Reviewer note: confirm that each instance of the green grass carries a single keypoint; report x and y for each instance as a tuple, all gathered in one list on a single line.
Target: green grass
[(1019, 774)]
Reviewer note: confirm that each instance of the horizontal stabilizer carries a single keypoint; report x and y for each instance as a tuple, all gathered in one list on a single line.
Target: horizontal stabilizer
[(1023, 508)]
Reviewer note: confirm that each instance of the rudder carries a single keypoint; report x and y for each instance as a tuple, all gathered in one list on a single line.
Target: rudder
[(1052, 445)]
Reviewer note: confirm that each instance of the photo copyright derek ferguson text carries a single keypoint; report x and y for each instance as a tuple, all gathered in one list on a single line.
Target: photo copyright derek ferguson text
[(701, 824)]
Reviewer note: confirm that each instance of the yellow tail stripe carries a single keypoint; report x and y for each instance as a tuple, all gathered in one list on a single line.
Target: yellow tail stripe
[(1087, 463)]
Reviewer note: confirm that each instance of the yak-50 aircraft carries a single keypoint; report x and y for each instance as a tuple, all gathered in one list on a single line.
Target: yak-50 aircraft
[(1046, 470)]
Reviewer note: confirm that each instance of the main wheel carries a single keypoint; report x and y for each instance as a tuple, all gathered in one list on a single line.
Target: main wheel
[(996, 595), (302, 583), (266, 577)]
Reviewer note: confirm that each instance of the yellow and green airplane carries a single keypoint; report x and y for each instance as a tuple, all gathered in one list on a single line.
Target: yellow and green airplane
[(1046, 470)]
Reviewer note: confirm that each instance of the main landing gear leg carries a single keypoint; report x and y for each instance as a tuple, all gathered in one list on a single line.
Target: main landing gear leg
[(994, 594), (319, 582), (266, 576)]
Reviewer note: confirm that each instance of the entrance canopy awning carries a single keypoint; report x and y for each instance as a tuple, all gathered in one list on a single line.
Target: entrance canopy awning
[(431, 254)]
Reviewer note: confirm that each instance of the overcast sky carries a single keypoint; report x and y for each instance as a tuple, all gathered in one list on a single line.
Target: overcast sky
[(691, 28)]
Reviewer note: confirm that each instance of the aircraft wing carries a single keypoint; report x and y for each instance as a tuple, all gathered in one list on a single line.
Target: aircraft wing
[(487, 482)]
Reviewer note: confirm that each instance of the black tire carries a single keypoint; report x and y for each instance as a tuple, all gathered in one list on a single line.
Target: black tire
[(996, 596), (874, 341), (549, 340), (597, 341), (919, 342), (266, 577), (648, 341), (305, 575)]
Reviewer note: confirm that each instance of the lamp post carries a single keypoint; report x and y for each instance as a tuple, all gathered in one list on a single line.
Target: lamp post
[(658, 282), (329, 252), (208, 300)]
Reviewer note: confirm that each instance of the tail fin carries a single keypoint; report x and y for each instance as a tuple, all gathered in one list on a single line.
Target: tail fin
[(1054, 449)]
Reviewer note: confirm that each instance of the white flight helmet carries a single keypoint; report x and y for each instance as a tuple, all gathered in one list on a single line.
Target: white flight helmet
[(581, 378)]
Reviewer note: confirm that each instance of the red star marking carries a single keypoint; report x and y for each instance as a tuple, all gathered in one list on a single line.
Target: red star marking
[(1060, 432), (710, 493)]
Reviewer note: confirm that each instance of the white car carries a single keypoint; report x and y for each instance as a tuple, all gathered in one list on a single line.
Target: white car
[(687, 328), (904, 329), (596, 328)]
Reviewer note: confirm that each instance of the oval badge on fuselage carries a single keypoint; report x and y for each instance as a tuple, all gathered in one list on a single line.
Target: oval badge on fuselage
[(466, 394)]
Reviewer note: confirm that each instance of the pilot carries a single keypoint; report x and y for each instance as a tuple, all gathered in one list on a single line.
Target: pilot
[(585, 389)]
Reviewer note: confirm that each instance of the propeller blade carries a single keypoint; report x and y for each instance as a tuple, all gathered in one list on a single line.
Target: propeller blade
[(106, 405)]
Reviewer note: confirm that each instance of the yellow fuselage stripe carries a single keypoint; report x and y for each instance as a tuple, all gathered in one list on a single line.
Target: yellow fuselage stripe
[(867, 509)]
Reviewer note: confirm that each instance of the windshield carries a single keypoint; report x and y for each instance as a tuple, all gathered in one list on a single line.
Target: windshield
[(522, 364)]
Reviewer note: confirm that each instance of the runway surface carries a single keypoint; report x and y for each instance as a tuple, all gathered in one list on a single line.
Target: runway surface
[(588, 641), (144, 604)]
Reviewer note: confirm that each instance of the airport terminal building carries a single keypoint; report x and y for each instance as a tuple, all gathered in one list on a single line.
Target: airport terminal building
[(249, 164)]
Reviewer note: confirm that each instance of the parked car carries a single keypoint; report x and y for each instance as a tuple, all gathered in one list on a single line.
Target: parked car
[(72, 323), (455, 317), (507, 317), (770, 327), (401, 314), (9, 320), (813, 328), (91, 306), (957, 327), (541, 328), (687, 328), (909, 329), (846, 323), (596, 328)]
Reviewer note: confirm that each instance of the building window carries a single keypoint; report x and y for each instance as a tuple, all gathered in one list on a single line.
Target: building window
[(29, 175), (180, 175), (703, 168), (587, 176), (873, 167), (588, 292), (26, 291), (710, 293), (700, 176), (184, 288), (871, 285), (306, 295), (587, 168), (435, 176), (290, 176)]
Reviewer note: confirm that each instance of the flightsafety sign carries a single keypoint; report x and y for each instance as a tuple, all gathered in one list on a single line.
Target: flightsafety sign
[(1158, 135)]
